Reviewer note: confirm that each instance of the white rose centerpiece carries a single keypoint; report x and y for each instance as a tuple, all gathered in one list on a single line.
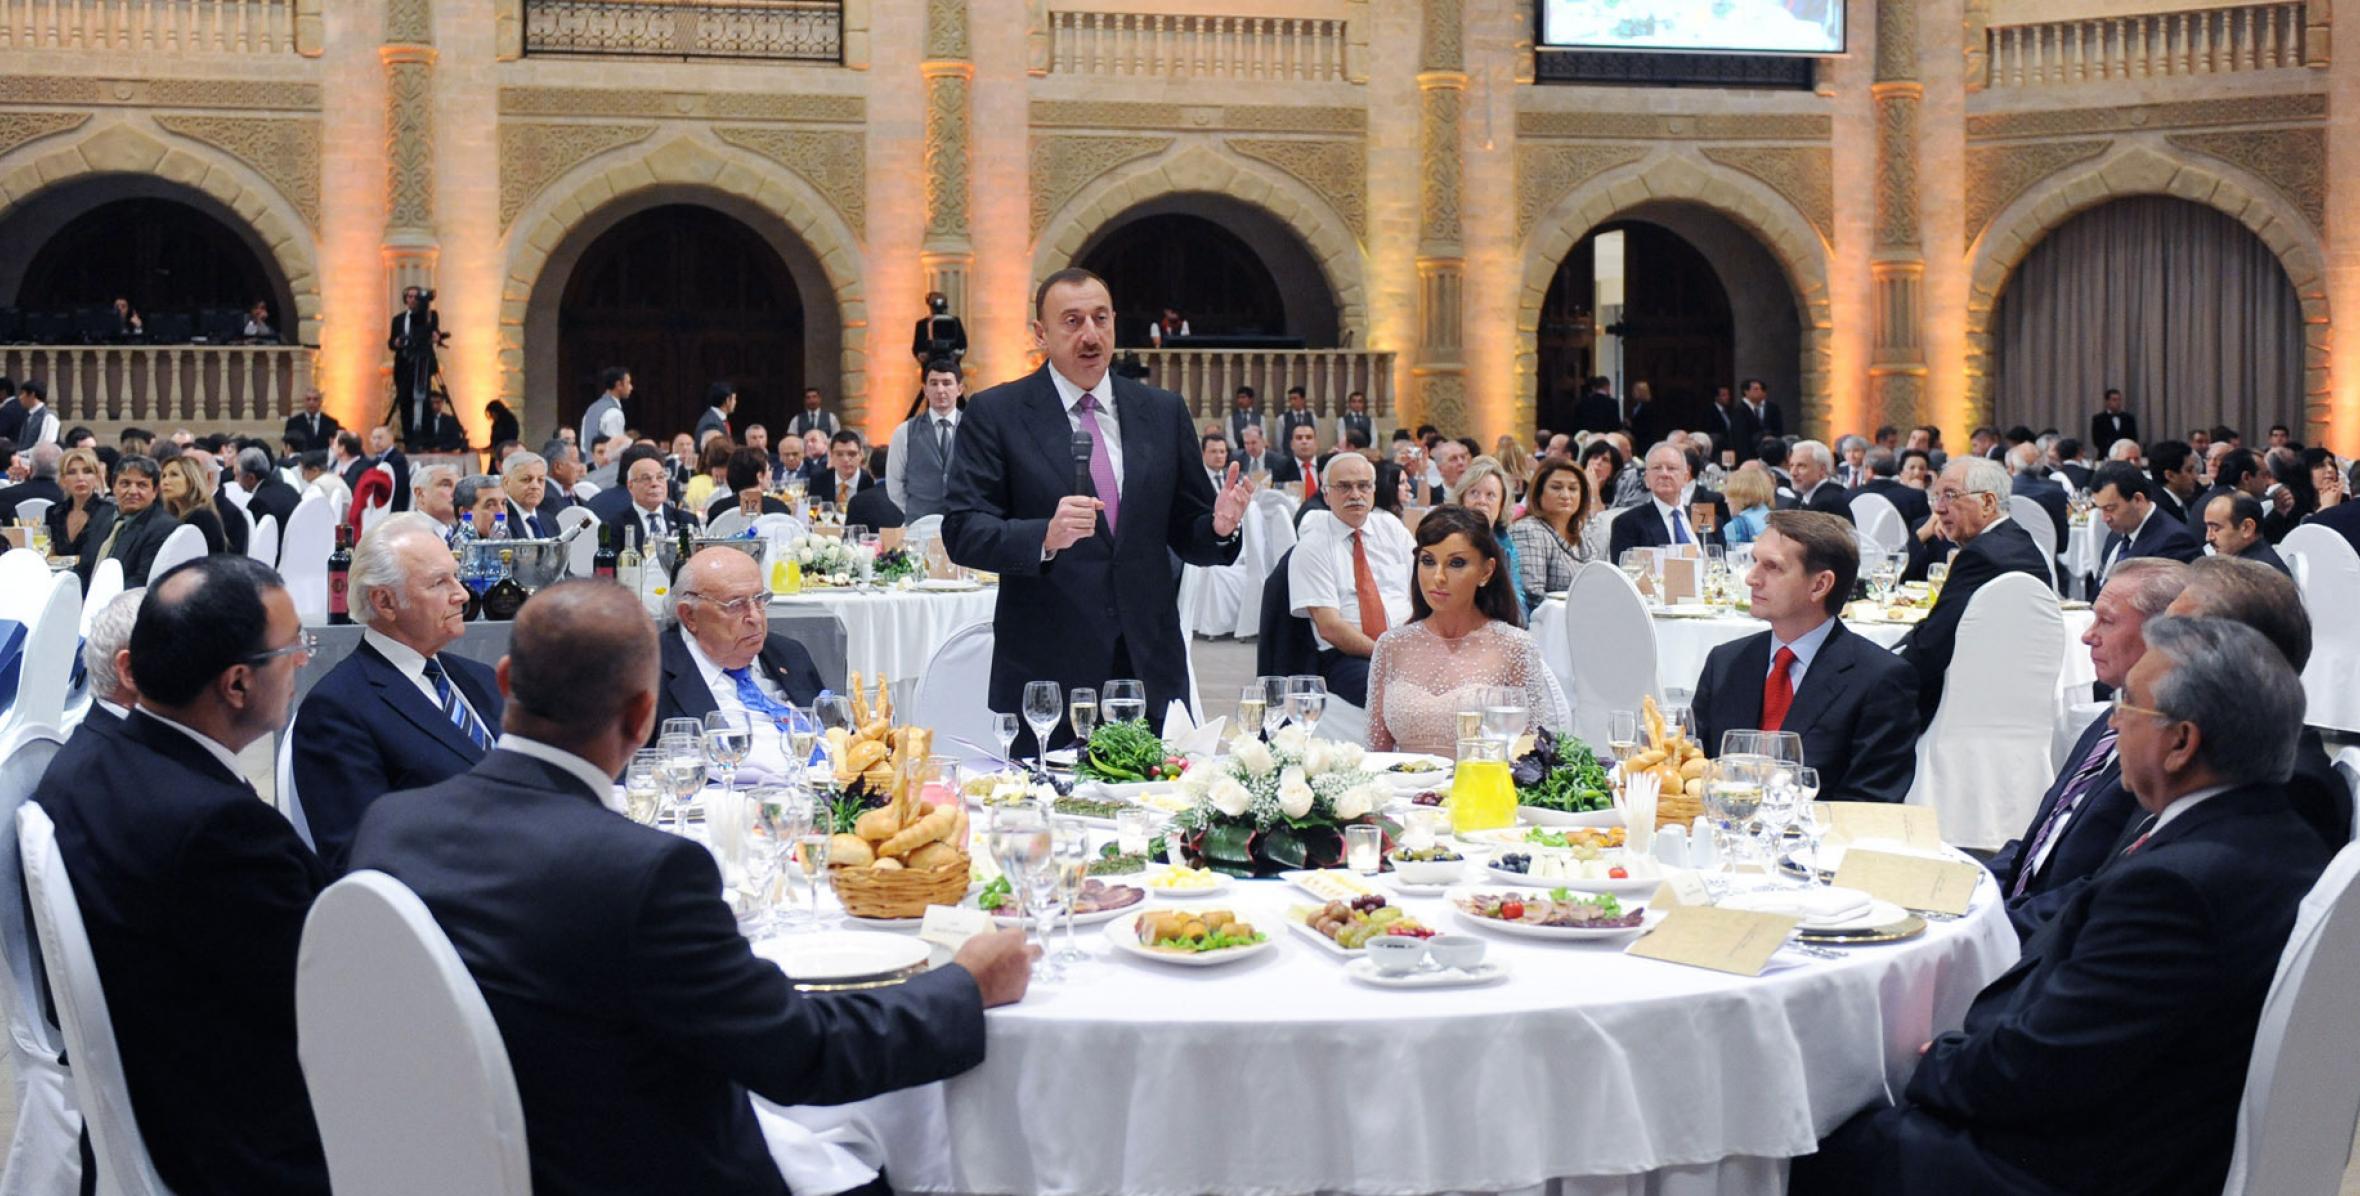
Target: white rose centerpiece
[(1270, 808)]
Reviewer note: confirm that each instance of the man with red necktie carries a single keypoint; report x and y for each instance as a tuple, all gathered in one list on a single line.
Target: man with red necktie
[(1854, 703)]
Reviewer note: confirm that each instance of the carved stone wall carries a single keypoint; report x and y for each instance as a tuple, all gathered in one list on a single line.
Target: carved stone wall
[(17, 128), (1438, 148), (1997, 174), (833, 161), (409, 143), (1337, 170), (1896, 183), (1803, 174), (1062, 166), (533, 154), (1544, 173), (1251, 118), (283, 149), (2292, 160), (946, 155)]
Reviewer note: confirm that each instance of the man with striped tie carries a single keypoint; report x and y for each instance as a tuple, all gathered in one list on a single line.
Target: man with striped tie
[(396, 714)]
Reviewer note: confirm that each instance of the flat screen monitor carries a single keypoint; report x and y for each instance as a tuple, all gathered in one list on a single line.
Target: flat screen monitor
[(1695, 26)]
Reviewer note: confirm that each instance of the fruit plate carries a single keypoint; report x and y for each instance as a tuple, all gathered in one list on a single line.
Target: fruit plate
[(1645, 875), (1539, 816), (1217, 885), (843, 956), (1124, 934), (1648, 918), (1299, 917), (1331, 884), (1428, 976)]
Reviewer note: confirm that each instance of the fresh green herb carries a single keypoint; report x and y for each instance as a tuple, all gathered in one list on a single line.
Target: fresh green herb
[(844, 811), (1605, 902), (1561, 773), (1118, 865), (1126, 752), (1083, 807), (1217, 940), (995, 894), (1547, 838)]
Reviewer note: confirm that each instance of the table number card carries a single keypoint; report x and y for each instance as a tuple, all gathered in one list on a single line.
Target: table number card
[(1681, 581), (938, 561), (16, 536), (1854, 821), (888, 539), (1739, 942), (950, 926), (1682, 887), (1911, 882)]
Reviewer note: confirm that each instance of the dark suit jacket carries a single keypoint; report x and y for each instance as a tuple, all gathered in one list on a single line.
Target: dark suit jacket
[(1642, 526), (2079, 475), (1828, 498), (1062, 619), (1650, 422), (712, 418), (12, 419), (2112, 1056), (365, 731), (2089, 837), (823, 483), (873, 508), (635, 1015), (1915, 508), (194, 907), (1746, 429), (2051, 497), (298, 432), (787, 663), (1237, 423), (29, 488), (232, 530), (1290, 470), (2165, 499), (1288, 421), (275, 498), (624, 517), (2106, 429), (2003, 548), (102, 516), (1598, 412), (440, 433), (1855, 710), (2260, 550), (136, 547), (2343, 519), (2163, 536)]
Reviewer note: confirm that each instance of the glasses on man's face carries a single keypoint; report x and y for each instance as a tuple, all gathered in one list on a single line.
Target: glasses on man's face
[(306, 645), (738, 608), (1369, 487), (2122, 705)]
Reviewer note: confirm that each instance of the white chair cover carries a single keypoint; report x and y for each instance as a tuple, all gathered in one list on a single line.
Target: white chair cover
[(1269, 535), (409, 1078), (777, 526), (290, 803), (584, 491), (304, 545), (263, 543), (239, 496), (1612, 644), (375, 513), (34, 509), (2329, 575), (185, 544), (2294, 1127), (124, 1168), (952, 694), (1985, 761), (728, 523), (582, 554), (2347, 766), (341, 499), (1876, 515), (22, 572), (920, 530), (106, 582), (44, 1154), (53, 634), (2073, 718)]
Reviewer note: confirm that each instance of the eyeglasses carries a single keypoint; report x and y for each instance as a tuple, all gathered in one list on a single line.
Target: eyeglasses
[(1354, 487), (735, 608), (306, 645), (2121, 705)]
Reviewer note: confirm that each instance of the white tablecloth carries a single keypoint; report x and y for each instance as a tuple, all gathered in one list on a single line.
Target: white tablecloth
[(1681, 646), (1587, 1069), (2085, 543), (894, 633)]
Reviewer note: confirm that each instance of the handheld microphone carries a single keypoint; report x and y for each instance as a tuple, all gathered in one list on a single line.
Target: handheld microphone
[(1082, 444)]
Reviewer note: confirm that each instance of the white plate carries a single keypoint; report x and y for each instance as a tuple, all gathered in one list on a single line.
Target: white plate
[(1437, 778), (1878, 912), (840, 956), (1487, 972), (1647, 877), (1219, 885), (1104, 915), (1296, 917), (885, 923), (1331, 884), (1649, 917), (1409, 890), (948, 585), (1130, 791), (1124, 934), (1538, 816)]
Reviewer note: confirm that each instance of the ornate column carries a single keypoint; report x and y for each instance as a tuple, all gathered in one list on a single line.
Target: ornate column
[(948, 254), (1439, 374), (1897, 263), (410, 248)]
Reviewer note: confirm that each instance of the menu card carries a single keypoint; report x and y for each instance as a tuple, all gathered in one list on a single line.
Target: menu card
[(950, 926), (1854, 821), (1739, 942), (888, 539), (16, 536), (1681, 581), (1911, 882), (1682, 887), (938, 560)]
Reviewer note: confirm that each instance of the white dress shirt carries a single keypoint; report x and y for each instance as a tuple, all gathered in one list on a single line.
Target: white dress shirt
[(1663, 514), (1805, 647), (648, 534), (1320, 572), (2116, 557), (2186, 802), (228, 758), (575, 766), (1110, 427), (413, 666), (768, 754)]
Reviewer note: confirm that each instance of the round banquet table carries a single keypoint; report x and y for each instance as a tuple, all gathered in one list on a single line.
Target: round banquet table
[(1586, 1070), (1683, 643), (893, 633), (2085, 544)]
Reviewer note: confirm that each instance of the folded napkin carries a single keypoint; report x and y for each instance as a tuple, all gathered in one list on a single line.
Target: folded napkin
[(725, 833), (1816, 907), (1185, 738)]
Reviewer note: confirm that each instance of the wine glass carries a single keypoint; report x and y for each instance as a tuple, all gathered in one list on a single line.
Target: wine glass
[(1004, 728), (798, 734), (1306, 700), (1023, 847), (1274, 704), (811, 859), (1504, 713), (1732, 796), (682, 726), (1044, 708), (1126, 701), (1250, 705), (834, 712), (1741, 741), (1622, 734), (1783, 747), (1936, 574), (643, 786), (1638, 564), (781, 816), (684, 771), (1811, 819), (1070, 841), (1081, 709), (729, 736), (1881, 578)]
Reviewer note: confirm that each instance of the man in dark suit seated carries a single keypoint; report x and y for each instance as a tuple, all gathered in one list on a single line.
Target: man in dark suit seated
[(193, 890), (113, 693), (635, 1015), (1669, 515), (1853, 702), (1302, 463), (2233, 526), (844, 477), (2086, 807), (139, 525), (441, 432), (2125, 500), (2024, 481), (397, 713), (1884, 473), (873, 509), (311, 428), (644, 509), (39, 483), (722, 655), (1816, 489), (2172, 466), (532, 503), (267, 493), (1970, 505), (2111, 1057)]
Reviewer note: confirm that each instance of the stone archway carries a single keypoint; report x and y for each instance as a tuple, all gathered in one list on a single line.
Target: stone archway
[(1200, 169), (2140, 170), (233, 192), (821, 250), (1666, 178)]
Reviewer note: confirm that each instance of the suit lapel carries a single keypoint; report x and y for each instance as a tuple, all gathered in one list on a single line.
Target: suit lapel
[(1046, 427), (1140, 465), (682, 680), (1752, 666), (1821, 682), (406, 700)]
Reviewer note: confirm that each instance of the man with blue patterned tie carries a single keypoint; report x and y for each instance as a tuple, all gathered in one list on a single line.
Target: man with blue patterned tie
[(1669, 517), (723, 656), (396, 714)]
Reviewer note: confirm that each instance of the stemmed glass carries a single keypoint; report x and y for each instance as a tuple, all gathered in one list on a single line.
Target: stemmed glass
[(1504, 713), (729, 736), (1071, 843), (1306, 700), (1741, 741), (684, 770), (1081, 709), (1622, 734), (1881, 577), (1274, 704), (1250, 704), (796, 736), (1813, 824), (683, 726), (644, 785), (1004, 728), (1732, 796), (811, 858), (1126, 701), (1638, 564), (781, 817), (1023, 847), (834, 711), (1044, 708)]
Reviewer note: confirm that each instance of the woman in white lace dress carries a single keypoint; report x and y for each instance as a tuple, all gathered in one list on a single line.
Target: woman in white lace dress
[(1466, 633)]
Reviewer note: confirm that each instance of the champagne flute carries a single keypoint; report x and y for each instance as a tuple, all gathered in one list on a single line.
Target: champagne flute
[(1126, 701), (811, 857), (1274, 704), (834, 712), (729, 736), (1081, 709), (1004, 728), (1732, 796), (1622, 734), (684, 770), (1306, 700), (799, 733), (1043, 710), (1023, 847), (643, 786), (1250, 706), (1071, 845)]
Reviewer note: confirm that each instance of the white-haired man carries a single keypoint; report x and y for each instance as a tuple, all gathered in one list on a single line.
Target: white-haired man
[(1816, 487), (106, 662), (1971, 505), (399, 713)]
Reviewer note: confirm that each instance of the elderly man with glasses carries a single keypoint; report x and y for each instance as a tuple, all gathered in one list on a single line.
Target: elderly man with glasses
[(722, 655), (1971, 506)]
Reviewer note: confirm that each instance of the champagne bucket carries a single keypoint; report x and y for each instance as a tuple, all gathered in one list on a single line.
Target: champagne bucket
[(535, 563)]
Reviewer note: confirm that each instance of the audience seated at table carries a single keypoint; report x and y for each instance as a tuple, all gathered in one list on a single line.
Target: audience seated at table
[(2125, 499), (1350, 575), (2025, 480), (2087, 806), (1853, 702), (193, 892), (1971, 507), (636, 1017), (139, 526), (400, 712), (187, 497), (85, 504), (2232, 525), (1548, 543), (1816, 489), (1484, 488), (721, 653), (645, 509), (748, 471), (2112, 1056), (113, 693), (1751, 494), (1666, 515), (1466, 632)]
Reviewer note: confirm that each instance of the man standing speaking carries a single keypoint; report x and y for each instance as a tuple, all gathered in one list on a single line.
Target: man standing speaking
[(1077, 487)]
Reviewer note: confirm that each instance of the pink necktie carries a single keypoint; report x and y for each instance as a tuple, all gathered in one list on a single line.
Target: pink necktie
[(1101, 465)]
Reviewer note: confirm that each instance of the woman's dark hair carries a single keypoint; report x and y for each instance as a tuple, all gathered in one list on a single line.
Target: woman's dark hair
[(715, 454), (1389, 477), (2294, 472), (1550, 468), (747, 468), (1497, 599), (1602, 447)]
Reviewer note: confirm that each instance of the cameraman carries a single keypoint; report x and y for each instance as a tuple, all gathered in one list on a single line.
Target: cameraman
[(417, 333)]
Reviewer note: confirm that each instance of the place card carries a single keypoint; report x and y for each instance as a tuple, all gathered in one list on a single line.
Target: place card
[(1704, 517), (1681, 580), (888, 539), (1856, 821), (938, 561), (1682, 887), (1911, 882), (1739, 942), (16, 535), (950, 926)]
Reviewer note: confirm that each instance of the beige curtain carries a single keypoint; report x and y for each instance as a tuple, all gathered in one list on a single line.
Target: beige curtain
[(2177, 304)]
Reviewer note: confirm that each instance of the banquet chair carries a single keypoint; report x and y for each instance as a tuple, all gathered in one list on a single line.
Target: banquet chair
[(106, 582), (408, 1075), (33, 509), (2347, 766), (951, 695), (376, 511), (239, 496), (121, 1153), (2034, 519), (731, 522), (44, 1153), (263, 543), (1876, 515), (21, 571), (289, 802), (1987, 757), (1611, 640), (2328, 573), (1284, 647), (53, 637), (2295, 1125), (1268, 536), (304, 545), (185, 544), (581, 555)]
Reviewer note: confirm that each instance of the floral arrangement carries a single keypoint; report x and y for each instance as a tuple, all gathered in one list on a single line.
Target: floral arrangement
[(829, 560), (1275, 807), (896, 565)]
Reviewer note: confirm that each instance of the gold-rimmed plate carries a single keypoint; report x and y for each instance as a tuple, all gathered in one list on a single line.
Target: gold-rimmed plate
[(1862, 936)]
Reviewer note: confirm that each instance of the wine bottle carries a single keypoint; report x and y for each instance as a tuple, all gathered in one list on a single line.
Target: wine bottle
[(507, 595), (340, 577), (628, 565), (603, 564), (688, 544)]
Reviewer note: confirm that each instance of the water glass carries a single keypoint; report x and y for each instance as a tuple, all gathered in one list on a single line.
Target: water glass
[(684, 772), (1785, 747), (1044, 708), (1125, 701), (729, 736), (811, 860), (644, 786), (1274, 704), (1741, 742), (1306, 700), (1504, 713), (1132, 830), (682, 726), (1364, 849), (1024, 848), (1732, 797), (1004, 728), (780, 816)]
